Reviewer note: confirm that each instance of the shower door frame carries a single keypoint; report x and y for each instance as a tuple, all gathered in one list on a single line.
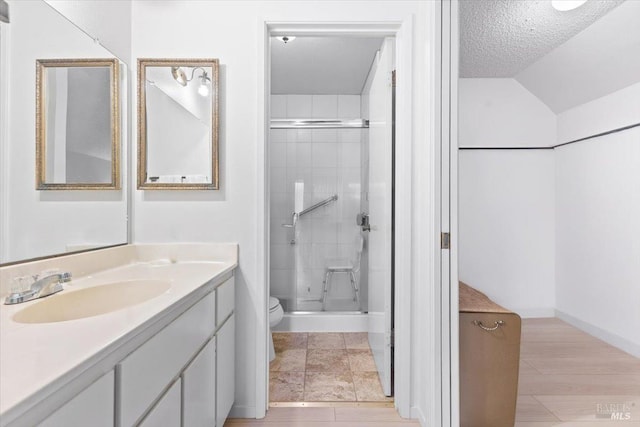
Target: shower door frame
[(402, 31)]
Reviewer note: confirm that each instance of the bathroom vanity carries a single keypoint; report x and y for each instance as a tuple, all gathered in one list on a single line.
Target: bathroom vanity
[(97, 359)]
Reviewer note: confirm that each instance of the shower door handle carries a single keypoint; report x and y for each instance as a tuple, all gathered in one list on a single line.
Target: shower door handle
[(362, 219)]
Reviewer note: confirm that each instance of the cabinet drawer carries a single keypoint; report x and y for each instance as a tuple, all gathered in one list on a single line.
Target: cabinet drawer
[(199, 389), (167, 411), (225, 369), (92, 407), (147, 371), (226, 295)]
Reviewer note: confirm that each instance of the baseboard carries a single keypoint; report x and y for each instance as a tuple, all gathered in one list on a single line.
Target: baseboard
[(416, 414), (238, 411), (606, 336), (529, 313)]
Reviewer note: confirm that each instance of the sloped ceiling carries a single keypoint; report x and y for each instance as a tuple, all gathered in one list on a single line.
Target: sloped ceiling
[(322, 65), (600, 60), (563, 58)]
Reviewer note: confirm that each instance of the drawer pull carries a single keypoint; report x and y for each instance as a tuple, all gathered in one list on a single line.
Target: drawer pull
[(496, 325)]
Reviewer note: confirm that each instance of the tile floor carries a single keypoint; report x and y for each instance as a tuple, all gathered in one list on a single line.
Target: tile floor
[(323, 367)]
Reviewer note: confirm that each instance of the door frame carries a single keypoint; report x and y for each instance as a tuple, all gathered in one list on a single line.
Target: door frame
[(403, 33), (447, 215)]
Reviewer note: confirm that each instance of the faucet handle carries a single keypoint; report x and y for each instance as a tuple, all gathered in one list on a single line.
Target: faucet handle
[(65, 277), (21, 283)]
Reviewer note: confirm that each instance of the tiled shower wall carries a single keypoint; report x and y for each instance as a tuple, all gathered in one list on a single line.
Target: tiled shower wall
[(328, 162)]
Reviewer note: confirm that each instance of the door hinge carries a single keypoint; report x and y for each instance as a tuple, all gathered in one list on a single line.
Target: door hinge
[(445, 240), (393, 78)]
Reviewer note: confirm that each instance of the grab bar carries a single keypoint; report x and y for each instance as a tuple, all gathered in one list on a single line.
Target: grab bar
[(296, 215), (318, 205)]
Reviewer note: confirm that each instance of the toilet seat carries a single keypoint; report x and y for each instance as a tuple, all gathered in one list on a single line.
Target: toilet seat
[(273, 304)]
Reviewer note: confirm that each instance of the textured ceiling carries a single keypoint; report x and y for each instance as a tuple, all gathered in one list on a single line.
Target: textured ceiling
[(322, 65), (500, 38), (602, 59)]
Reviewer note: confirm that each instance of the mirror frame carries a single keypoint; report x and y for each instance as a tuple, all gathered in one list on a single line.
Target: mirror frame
[(41, 143), (143, 63)]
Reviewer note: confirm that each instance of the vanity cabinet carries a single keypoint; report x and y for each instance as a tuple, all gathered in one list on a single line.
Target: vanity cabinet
[(198, 348), (183, 375), (199, 388), (91, 407), (167, 412)]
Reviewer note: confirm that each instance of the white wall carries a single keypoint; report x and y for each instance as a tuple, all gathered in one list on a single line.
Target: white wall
[(327, 162), (80, 217), (231, 31), (507, 227), (107, 20), (502, 113), (506, 203), (613, 111), (598, 220)]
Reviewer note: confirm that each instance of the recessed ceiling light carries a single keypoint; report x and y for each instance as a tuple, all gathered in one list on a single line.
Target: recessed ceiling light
[(564, 5), (286, 39)]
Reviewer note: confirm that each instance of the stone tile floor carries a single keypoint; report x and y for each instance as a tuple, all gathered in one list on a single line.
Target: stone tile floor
[(324, 367)]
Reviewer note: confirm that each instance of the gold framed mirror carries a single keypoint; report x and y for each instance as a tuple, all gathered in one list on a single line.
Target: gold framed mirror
[(178, 122), (77, 124)]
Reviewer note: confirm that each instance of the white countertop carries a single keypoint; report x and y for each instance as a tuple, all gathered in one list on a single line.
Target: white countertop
[(38, 359)]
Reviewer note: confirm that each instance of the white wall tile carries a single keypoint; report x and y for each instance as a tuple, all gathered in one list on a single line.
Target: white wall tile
[(278, 135), (278, 106), (324, 155), (304, 155), (279, 208), (325, 106), (303, 175), (349, 155), (281, 282), (291, 155), (278, 154), (350, 135), (281, 256), (349, 180), (278, 180), (303, 135), (299, 106), (349, 106), (324, 180), (324, 135), (328, 162), (279, 234), (324, 231)]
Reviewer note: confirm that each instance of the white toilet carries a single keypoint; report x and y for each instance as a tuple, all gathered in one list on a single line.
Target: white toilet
[(276, 313)]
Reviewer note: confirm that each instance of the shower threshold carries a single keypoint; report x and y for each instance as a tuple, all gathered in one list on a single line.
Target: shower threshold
[(326, 312)]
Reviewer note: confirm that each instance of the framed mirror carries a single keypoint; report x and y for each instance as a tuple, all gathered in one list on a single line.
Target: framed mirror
[(77, 124), (178, 121)]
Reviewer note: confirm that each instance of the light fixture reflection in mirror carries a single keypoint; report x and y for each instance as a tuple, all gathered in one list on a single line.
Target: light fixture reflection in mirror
[(180, 76)]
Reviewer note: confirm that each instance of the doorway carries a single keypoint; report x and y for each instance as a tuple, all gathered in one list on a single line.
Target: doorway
[(331, 187)]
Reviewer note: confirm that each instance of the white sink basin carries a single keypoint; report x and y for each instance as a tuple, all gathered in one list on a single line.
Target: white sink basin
[(72, 304)]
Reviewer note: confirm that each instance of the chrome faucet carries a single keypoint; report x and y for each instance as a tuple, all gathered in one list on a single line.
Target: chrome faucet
[(42, 287)]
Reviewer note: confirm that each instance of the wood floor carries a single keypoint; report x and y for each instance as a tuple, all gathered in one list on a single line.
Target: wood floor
[(567, 379)]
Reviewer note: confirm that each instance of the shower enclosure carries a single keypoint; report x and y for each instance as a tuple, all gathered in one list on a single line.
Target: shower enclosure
[(316, 169)]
